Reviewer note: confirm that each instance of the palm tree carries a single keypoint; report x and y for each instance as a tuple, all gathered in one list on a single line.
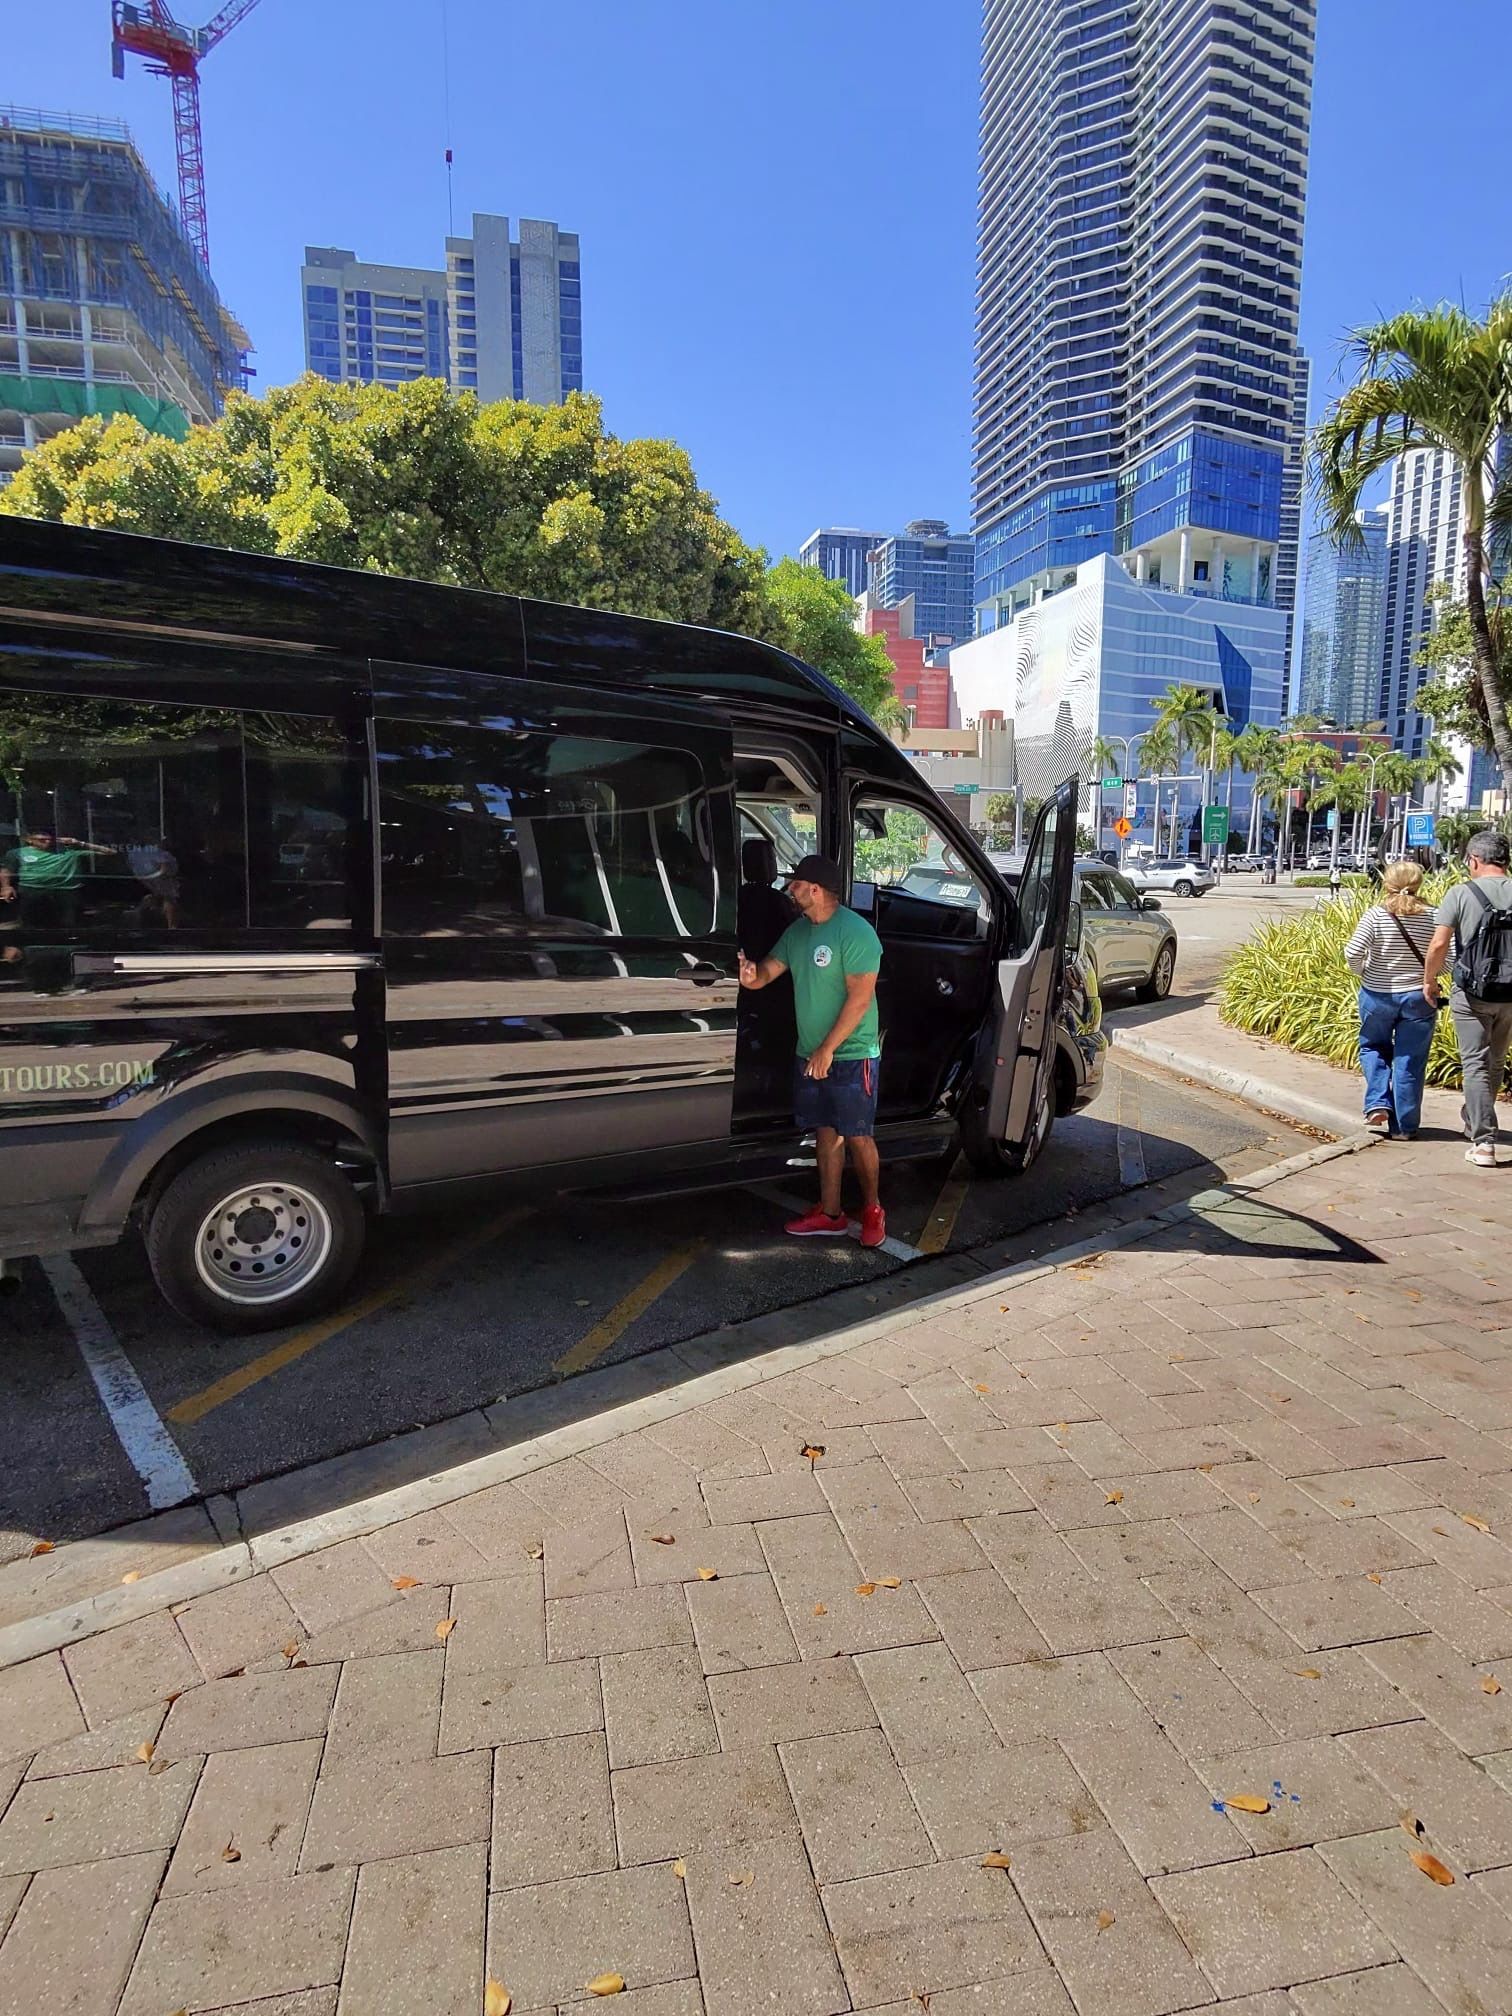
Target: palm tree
[(1344, 789), (1396, 774), (1431, 378), (1439, 765), (1158, 754), (1102, 758), (1252, 750), (1192, 715)]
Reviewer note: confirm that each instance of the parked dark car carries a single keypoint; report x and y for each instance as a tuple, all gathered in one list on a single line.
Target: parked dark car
[(332, 894)]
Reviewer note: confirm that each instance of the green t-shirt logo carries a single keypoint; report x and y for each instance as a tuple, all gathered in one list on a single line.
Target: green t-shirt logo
[(823, 955)]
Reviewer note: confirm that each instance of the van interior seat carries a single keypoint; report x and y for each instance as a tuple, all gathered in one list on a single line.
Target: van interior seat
[(762, 913)]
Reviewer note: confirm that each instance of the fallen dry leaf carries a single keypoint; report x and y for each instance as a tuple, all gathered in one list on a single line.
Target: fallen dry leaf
[(405, 1581), (1471, 1520), (497, 2000), (1431, 1866), (1248, 1802), (158, 1766), (1105, 1919), (891, 1581), (662, 1539), (536, 1552), (1253, 1496), (996, 1859), (606, 1984), (1307, 1673), (144, 1753), (43, 1547), (1205, 1468), (813, 1451), (708, 1574), (820, 1610), (230, 1853), (741, 1878), (980, 1388), (1374, 1578), (866, 1588), (1060, 1428), (1410, 1824), (290, 1649), (1113, 1498), (1349, 1502), (1441, 1532), (1490, 1684), (445, 1628), (135, 1574), (679, 1869)]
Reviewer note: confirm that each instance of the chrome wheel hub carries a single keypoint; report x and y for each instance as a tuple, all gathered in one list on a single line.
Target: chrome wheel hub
[(262, 1242)]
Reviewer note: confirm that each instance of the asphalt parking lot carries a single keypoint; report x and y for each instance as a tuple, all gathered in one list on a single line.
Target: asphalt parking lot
[(456, 1312)]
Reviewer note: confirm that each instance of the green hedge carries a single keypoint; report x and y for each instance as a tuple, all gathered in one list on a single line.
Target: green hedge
[(1289, 982), (1322, 882)]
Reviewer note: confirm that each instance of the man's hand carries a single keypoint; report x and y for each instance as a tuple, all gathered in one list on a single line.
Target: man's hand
[(1431, 993), (818, 1065), (749, 977)]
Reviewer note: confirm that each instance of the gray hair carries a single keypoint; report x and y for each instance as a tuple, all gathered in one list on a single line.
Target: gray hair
[(1491, 847)]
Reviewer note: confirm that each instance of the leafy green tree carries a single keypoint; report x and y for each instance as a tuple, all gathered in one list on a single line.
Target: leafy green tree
[(531, 500), (1432, 378), (1451, 692), (814, 618)]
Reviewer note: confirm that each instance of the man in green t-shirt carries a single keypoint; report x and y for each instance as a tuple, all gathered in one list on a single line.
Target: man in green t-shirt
[(834, 957), (44, 871)]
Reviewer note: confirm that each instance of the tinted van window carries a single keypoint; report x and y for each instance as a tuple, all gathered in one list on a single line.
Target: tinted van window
[(488, 830), (119, 819)]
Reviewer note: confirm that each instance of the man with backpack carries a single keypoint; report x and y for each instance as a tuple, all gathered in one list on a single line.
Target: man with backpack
[(1477, 916)]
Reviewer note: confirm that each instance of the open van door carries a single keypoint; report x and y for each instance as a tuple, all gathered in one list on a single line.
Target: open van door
[(1007, 1119)]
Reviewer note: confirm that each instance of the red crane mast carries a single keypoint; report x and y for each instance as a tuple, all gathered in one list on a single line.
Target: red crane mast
[(175, 52)]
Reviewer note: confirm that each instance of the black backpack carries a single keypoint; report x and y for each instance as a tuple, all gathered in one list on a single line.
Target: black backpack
[(1484, 967)]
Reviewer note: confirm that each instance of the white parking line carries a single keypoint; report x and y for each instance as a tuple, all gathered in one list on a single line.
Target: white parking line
[(150, 1449), (1131, 1157), (899, 1248)]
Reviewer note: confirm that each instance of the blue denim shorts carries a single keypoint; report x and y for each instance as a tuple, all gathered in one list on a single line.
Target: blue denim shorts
[(846, 1100)]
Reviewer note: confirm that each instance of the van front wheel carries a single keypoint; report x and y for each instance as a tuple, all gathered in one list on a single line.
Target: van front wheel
[(255, 1236)]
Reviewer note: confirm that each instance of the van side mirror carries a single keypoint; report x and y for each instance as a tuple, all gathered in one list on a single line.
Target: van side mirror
[(1151, 903), (863, 898), (1074, 927)]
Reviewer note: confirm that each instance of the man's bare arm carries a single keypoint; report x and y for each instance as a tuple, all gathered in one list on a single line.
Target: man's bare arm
[(1434, 960), (758, 973), (859, 990)]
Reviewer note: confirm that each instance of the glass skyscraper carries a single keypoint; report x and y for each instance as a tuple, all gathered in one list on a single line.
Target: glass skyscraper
[(1143, 173), (840, 553), (504, 319), (934, 565), (1343, 626)]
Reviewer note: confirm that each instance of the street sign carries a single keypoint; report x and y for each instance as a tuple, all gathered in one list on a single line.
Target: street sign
[(965, 790), (1131, 800), (1215, 822), (1109, 783), (1123, 828), (1333, 819), (1420, 829)]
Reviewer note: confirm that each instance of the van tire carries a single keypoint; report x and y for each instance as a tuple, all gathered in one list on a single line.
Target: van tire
[(998, 1158), (306, 1190)]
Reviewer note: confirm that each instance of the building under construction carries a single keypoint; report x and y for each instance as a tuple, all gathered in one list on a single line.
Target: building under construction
[(105, 304)]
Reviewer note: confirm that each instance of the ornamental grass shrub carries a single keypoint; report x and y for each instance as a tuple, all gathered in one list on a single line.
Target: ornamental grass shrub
[(1289, 982)]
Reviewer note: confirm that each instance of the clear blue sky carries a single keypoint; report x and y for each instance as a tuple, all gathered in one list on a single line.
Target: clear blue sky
[(776, 201)]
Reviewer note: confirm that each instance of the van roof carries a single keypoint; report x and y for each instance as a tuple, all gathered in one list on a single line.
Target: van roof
[(123, 581)]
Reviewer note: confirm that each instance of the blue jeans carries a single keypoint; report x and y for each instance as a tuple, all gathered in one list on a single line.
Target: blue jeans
[(1395, 1032)]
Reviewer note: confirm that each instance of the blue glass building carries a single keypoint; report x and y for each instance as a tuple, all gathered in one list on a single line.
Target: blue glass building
[(1344, 626), (1143, 173), (934, 565), (840, 552)]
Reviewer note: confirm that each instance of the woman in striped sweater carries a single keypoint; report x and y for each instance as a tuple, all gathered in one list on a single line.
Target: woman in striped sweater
[(1386, 955)]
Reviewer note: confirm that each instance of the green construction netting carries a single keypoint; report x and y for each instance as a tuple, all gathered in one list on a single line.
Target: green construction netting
[(72, 395)]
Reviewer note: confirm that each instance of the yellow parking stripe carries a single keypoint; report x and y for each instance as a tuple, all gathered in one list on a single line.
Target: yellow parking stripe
[(198, 1405), (609, 1329), (941, 1221)]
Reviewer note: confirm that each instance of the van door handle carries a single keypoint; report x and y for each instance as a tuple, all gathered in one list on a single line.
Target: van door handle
[(704, 974)]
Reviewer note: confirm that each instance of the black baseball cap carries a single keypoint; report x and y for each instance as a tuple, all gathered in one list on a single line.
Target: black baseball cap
[(820, 870)]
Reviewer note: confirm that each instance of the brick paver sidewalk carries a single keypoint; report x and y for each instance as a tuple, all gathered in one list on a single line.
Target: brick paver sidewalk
[(1223, 1515)]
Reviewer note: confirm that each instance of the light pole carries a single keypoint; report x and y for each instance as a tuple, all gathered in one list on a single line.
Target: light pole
[(1126, 743)]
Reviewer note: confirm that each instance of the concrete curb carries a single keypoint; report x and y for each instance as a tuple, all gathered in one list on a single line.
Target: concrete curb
[(685, 1376), (1255, 1091)]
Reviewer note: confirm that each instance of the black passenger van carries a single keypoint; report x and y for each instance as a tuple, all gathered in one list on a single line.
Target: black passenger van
[(324, 894)]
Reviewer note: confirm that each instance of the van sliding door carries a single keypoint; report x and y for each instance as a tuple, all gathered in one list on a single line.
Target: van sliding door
[(558, 915)]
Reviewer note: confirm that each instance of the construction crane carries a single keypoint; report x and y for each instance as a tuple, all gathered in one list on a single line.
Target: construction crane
[(176, 52)]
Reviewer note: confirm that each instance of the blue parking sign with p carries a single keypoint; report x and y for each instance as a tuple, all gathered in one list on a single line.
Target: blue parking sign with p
[(1420, 827)]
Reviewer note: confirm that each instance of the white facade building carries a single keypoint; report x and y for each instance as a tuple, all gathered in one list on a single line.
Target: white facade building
[(1423, 548), (1094, 659)]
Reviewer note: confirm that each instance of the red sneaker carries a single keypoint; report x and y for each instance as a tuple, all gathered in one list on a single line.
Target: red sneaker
[(873, 1225), (817, 1224)]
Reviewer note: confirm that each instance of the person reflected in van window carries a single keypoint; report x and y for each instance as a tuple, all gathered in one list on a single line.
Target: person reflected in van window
[(156, 867), (834, 957), (44, 872)]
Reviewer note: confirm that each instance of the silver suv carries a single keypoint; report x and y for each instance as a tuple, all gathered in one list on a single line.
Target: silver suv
[(1182, 878)]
